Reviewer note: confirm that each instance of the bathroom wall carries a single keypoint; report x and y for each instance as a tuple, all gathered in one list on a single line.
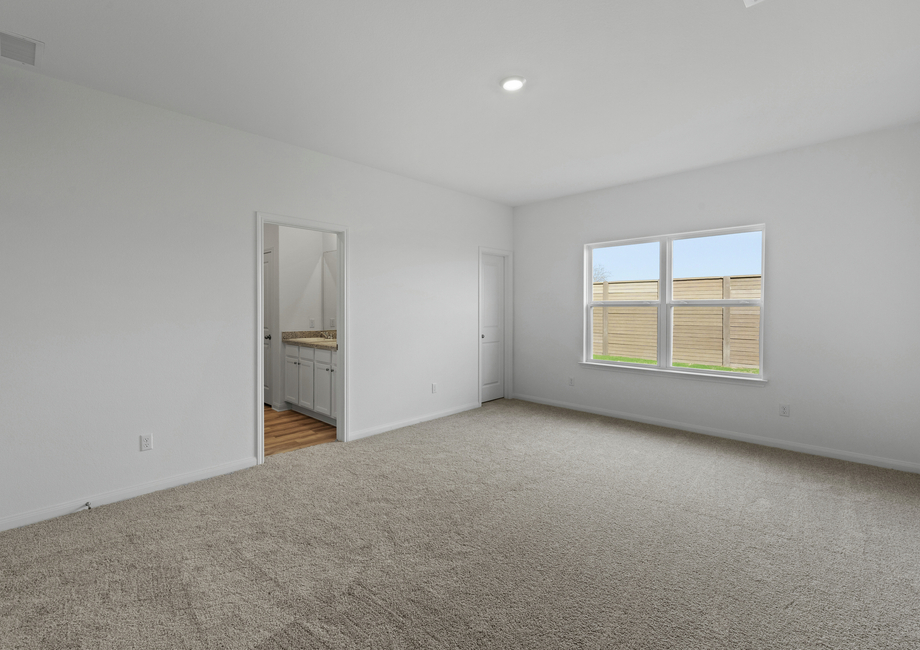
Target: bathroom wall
[(300, 279)]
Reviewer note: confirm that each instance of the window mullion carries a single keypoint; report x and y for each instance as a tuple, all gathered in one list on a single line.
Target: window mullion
[(589, 297), (664, 297), (624, 303), (725, 302)]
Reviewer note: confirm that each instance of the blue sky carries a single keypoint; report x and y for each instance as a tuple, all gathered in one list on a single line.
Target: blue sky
[(735, 254)]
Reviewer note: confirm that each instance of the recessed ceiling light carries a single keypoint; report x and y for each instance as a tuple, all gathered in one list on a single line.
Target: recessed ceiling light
[(513, 83)]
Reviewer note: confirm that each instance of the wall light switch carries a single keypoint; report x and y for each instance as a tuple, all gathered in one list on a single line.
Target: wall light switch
[(434, 388)]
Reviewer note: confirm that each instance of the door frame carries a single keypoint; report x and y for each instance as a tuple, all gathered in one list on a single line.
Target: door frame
[(341, 379), (272, 304), (507, 325)]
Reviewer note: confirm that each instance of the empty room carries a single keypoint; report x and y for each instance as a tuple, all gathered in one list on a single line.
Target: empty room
[(505, 324)]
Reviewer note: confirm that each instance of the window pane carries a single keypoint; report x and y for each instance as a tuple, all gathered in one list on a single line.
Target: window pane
[(628, 334), (628, 272), (717, 338), (718, 267)]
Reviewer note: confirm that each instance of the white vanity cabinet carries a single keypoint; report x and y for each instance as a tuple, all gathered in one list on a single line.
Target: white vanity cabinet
[(309, 379), (322, 382), (298, 375), (306, 378), (291, 374)]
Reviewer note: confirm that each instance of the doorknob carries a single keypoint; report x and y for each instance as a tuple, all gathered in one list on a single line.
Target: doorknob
[(268, 338), (483, 336)]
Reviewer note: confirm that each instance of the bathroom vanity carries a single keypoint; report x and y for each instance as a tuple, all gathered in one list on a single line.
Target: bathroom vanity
[(309, 376)]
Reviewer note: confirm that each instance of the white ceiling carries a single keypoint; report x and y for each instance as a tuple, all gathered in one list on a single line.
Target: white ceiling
[(617, 90)]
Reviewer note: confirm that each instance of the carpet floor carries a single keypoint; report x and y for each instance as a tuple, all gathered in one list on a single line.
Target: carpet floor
[(511, 526)]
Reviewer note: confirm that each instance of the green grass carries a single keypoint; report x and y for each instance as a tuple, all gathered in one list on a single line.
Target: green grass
[(605, 357), (755, 371), (699, 366)]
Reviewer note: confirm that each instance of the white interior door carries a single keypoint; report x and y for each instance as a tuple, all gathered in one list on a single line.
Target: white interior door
[(492, 327), (267, 322)]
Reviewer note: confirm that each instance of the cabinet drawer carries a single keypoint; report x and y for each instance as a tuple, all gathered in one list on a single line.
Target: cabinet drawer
[(291, 350), (306, 354), (324, 356)]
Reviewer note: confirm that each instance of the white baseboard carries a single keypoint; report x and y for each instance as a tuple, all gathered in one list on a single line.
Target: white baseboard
[(827, 452), (15, 521), (364, 433)]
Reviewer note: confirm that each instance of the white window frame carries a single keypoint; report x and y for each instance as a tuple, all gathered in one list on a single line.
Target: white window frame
[(666, 304)]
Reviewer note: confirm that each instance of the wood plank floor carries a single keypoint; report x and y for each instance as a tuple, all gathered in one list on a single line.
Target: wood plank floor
[(290, 430)]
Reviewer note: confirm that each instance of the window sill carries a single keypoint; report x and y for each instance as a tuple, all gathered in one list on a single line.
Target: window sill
[(688, 374)]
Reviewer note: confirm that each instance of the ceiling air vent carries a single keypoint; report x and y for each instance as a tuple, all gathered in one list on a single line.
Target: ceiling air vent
[(19, 49)]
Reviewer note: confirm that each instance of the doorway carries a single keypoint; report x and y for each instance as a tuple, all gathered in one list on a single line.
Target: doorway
[(495, 324), (302, 334)]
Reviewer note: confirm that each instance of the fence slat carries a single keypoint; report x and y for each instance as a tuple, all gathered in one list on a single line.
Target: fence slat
[(719, 336)]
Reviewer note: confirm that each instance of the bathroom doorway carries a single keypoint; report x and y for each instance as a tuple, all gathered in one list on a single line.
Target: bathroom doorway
[(302, 332)]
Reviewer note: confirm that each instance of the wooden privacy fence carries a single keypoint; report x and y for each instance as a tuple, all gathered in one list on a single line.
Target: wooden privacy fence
[(715, 336)]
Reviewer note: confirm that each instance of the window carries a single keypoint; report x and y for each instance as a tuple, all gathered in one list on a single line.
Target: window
[(688, 303)]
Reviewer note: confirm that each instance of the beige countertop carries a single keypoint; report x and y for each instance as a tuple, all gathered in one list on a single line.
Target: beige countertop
[(318, 343)]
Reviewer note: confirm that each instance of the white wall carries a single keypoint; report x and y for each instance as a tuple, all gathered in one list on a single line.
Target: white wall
[(330, 282), (127, 285), (842, 341), (300, 279)]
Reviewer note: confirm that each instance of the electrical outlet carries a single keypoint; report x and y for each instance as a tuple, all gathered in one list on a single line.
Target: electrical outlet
[(434, 388), (312, 323), (571, 381), (147, 442), (784, 410)]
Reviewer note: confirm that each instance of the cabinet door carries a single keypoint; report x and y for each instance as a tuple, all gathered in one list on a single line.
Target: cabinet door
[(306, 384), (333, 403), (322, 387), (291, 379)]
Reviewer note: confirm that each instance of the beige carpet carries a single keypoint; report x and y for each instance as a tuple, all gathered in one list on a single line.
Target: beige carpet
[(511, 526)]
